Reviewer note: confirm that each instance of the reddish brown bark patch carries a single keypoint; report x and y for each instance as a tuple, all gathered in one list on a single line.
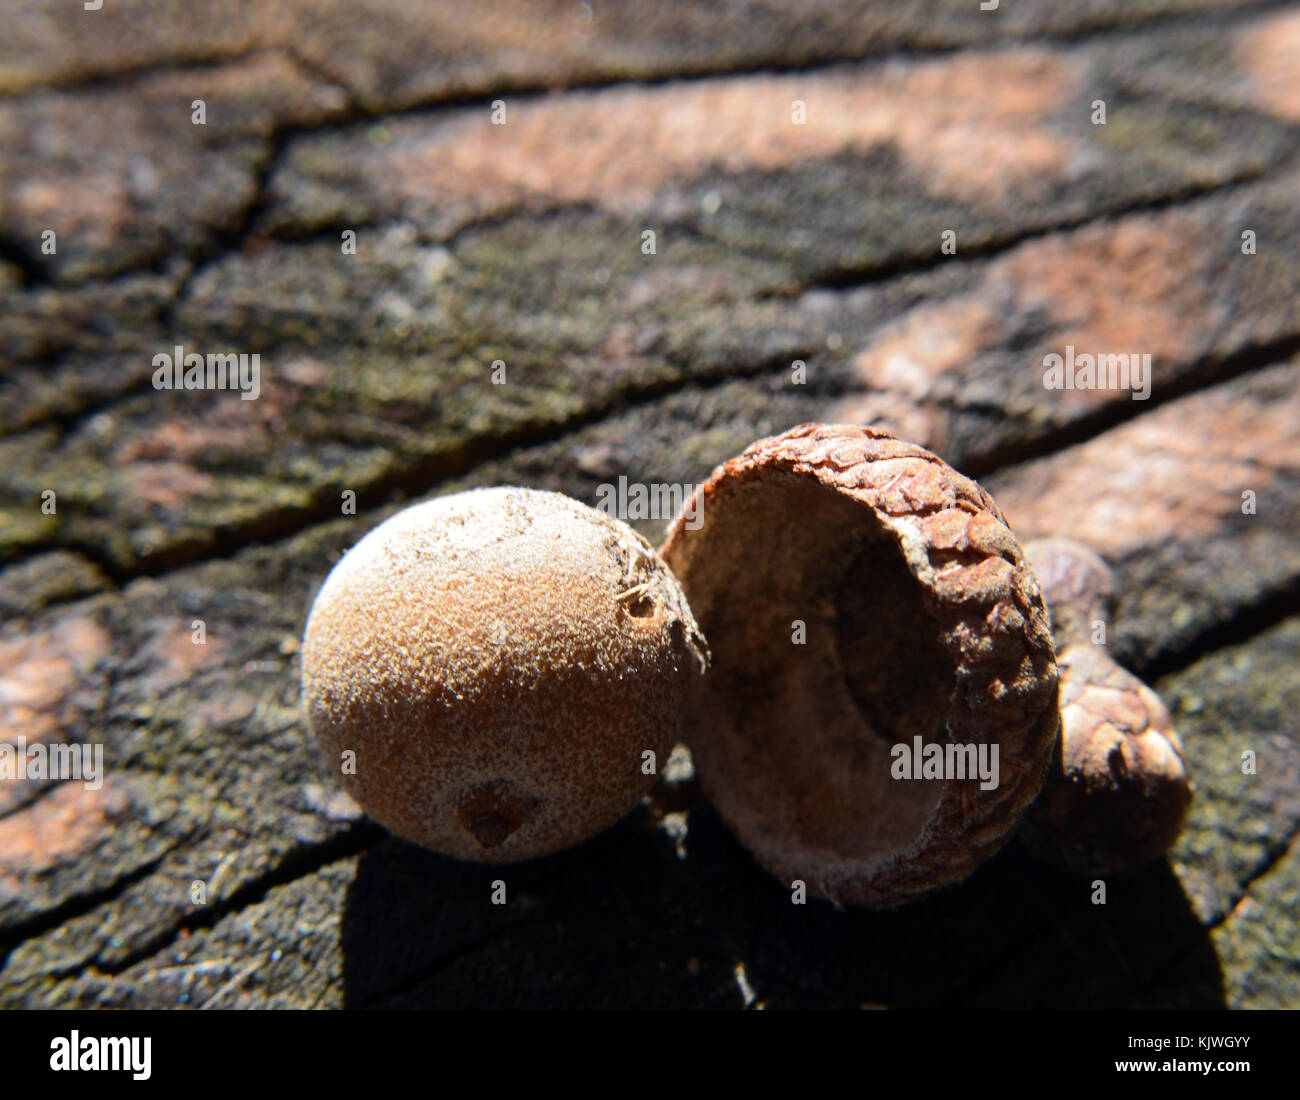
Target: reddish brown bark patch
[(1268, 55)]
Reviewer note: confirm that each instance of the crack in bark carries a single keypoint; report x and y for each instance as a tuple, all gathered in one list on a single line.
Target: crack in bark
[(1219, 17), (887, 269), (1268, 610), (297, 864), (1204, 374), (356, 112), (20, 256), (1272, 857), (34, 795), (124, 77), (423, 475), (79, 905), (416, 479)]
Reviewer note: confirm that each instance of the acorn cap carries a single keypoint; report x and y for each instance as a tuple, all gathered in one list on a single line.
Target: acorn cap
[(921, 619), (1118, 790), (499, 661)]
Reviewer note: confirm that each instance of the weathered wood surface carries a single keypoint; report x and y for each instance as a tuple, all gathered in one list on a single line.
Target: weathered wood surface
[(522, 242)]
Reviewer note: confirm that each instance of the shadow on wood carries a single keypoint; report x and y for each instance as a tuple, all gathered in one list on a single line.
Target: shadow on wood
[(623, 922)]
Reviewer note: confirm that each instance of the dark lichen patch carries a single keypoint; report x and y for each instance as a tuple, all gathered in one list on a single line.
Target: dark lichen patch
[(1238, 701), (1257, 946), (895, 224), (1194, 146), (57, 577)]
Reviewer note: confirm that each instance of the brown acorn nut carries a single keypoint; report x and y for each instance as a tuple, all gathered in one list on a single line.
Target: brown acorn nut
[(922, 620), (1118, 790), (499, 660)]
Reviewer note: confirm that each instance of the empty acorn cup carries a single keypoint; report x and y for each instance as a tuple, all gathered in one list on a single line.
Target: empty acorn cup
[(881, 707)]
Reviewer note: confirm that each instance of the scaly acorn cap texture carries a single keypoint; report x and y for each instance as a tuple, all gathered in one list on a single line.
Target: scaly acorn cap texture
[(499, 660), (921, 619), (1118, 790)]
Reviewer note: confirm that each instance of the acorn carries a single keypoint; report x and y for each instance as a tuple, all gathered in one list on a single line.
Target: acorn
[(877, 640), (1118, 790), (496, 675)]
